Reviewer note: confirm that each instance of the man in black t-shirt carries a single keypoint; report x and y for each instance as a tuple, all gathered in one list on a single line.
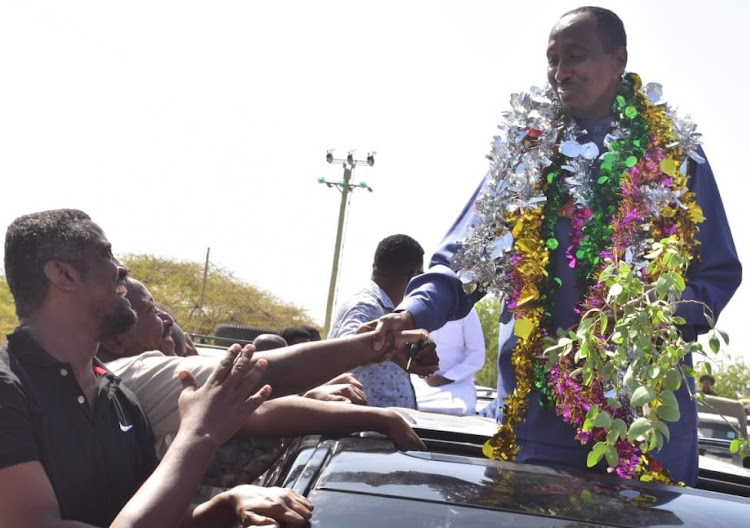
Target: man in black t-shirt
[(75, 444)]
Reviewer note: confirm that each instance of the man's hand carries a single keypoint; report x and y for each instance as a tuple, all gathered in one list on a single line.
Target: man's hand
[(216, 410), (258, 506), (396, 348), (436, 380), (346, 377), (401, 434), (340, 392), (388, 323)]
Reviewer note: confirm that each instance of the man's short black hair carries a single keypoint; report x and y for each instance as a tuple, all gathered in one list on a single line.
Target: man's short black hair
[(33, 240), (397, 254), (611, 28), (313, 331)]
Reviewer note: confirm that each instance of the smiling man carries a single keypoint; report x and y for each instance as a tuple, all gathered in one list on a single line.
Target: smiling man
[(548, 268), (151, 332), (586, 62)]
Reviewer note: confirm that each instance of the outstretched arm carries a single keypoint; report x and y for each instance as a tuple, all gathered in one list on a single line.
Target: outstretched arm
[(298, 368), (291, 370), (293, 416)]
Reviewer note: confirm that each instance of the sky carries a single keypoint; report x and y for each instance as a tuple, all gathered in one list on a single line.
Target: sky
[(180, 126)]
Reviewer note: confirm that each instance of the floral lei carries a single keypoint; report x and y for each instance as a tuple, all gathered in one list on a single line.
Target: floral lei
[(539, 171)]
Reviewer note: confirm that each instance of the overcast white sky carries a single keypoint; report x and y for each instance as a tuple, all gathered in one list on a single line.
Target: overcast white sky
[(183, 125)]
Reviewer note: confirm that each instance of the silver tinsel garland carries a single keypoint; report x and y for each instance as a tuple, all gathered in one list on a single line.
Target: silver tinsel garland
[(524, 147)]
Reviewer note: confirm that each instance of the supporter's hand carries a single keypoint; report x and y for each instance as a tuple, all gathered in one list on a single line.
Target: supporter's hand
[(216, 410), (401, 434), (346, 377), (436, 380), (396, 349), (258, 506), (340, 392), (388, 323)]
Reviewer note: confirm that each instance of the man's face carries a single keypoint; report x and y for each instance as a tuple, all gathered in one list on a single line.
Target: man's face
[(104, 284), (584, 75), (152, 331)]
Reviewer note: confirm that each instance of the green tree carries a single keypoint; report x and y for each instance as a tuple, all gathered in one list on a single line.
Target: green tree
[(488, 310), (8, 319), (732, 380), (177, 286)]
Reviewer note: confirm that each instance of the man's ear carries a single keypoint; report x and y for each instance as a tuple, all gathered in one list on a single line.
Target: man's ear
[(62, 275), (622, 59)]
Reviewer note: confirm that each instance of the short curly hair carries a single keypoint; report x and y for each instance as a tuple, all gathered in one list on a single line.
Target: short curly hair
[(397, 254), (33, 240)]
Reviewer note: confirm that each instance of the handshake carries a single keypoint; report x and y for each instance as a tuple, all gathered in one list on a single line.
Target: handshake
[(394, 337)]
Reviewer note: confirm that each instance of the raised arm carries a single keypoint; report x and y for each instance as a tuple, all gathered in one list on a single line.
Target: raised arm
[(211, 414)]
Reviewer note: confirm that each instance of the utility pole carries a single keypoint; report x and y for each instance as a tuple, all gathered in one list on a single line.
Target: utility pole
[(345, 187), (203, 290)]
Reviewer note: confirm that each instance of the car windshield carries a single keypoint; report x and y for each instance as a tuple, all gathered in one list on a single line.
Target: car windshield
[(721, 431)]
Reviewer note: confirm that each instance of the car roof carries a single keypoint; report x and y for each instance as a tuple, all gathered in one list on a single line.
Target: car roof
[(365, 482)]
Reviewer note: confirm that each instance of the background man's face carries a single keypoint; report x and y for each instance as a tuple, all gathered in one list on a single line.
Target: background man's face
[(152, 331), (582, 72)]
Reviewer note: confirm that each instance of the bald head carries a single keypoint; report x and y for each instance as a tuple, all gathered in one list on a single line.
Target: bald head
[(269, 342)]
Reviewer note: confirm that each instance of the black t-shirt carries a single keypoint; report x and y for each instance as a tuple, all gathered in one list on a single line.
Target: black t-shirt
[(95, 461)]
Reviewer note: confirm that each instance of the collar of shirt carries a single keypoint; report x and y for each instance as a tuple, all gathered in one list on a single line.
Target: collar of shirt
[(379, 292), (27, 350)]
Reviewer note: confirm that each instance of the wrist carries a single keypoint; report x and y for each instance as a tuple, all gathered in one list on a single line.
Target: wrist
[(199, 441), (365, 343), (220, 510), (386, 420), (407, 318)]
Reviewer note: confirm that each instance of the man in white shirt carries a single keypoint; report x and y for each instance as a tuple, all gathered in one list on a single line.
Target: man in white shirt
[(461, 349)]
